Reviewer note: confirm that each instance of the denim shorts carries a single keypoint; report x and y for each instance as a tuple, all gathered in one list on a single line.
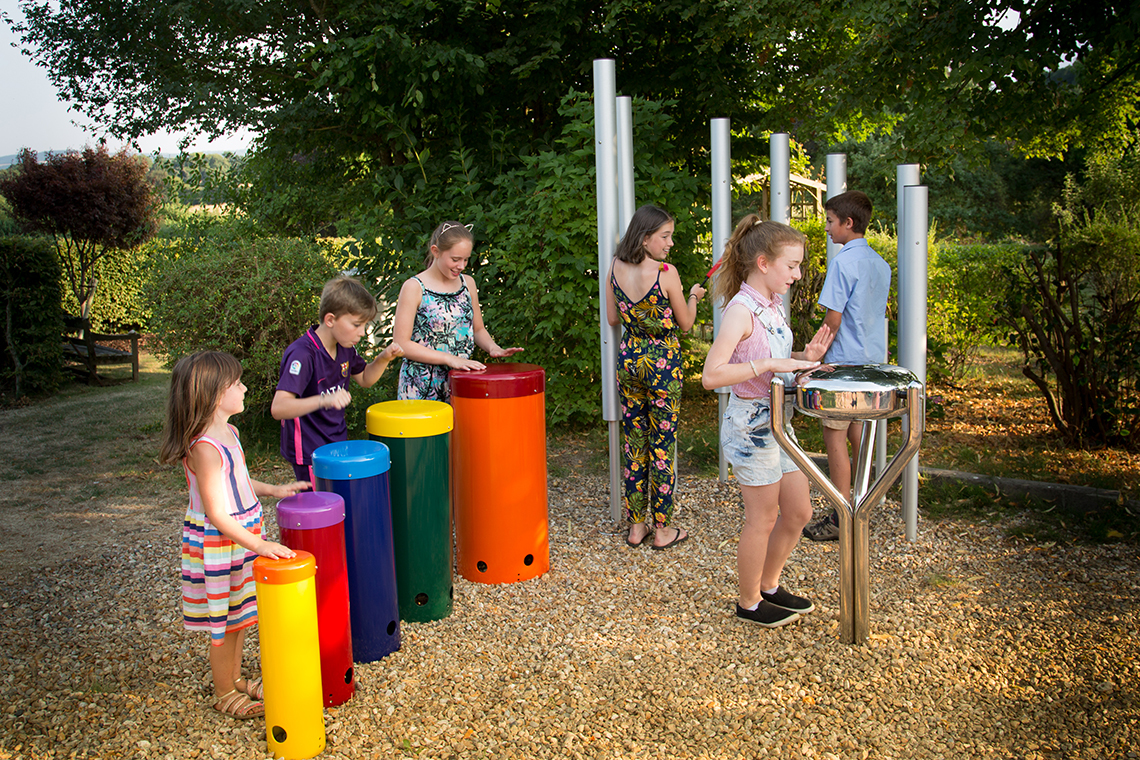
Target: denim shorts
[(748, 444)]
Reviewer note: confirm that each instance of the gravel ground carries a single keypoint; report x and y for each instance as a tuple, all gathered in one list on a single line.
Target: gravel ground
[(982, 646)]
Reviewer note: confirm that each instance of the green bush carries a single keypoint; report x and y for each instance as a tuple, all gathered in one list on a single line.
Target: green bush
[(119, 303), (251, 298), (963, 303), (536, 248), (545, 251), (32, 322), (1074, 308)]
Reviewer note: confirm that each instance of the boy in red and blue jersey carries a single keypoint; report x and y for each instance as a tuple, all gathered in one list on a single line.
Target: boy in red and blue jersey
[(315, 372)]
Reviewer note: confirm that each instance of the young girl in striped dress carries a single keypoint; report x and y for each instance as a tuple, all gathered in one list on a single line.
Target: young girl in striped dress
[(221, 534)]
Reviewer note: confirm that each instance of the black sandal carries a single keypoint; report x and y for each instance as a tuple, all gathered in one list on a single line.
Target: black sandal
[(678, 538)]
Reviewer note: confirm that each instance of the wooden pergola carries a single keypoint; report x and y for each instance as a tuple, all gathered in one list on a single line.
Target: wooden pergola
[(807, 195)]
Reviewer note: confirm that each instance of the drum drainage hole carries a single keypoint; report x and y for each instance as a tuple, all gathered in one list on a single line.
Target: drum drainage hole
[(528, 560), (482, 566), (421, 599), (391, 627), (279, 734), (348, 676)]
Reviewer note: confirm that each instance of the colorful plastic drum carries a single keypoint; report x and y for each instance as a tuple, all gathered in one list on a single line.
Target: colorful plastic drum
[(416, 434), (357, 471), (499, 473), (290, 655), (313, 521)]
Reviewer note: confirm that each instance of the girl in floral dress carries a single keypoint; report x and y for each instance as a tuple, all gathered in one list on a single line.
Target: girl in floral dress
[(647, 298), (438, 321)]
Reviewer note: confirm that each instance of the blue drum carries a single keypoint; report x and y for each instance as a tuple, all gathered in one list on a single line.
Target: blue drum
[(357, 471)]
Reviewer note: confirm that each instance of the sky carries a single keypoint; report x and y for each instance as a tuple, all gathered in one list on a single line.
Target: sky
[(33, 116)]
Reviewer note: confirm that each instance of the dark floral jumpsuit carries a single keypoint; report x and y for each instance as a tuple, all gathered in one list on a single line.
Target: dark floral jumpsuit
[(649, 385)]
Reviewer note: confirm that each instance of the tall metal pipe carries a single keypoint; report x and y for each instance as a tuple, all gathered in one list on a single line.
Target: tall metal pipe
[(721, 154), (912, 324), (905, 175), (626, 204), (780, 187), (836, 169), (605, 156), (780, 178), (626, 201)]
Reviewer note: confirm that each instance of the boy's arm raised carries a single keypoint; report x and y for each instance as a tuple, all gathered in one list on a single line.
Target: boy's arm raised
[(376, 367)]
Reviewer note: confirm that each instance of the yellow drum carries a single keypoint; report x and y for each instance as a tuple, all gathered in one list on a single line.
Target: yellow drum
[(290, 655)]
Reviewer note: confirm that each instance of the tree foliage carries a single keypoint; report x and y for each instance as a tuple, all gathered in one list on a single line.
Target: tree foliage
[(390, 80), (535, 259), (353, 101), (387, 82), (943, 76), (1074, 309), (91, 203), (991, 194), (30, 318)]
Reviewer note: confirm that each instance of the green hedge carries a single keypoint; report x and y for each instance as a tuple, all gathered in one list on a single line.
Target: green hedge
[(31, 322), (967, 295), (250, 297), (119, 303), (536, 245)]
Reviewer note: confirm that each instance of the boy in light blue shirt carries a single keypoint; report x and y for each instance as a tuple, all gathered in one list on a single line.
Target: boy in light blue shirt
[(855, 296)]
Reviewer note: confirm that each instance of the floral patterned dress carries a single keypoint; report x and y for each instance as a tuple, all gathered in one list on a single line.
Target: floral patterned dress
[(445, 322), (649, 385)]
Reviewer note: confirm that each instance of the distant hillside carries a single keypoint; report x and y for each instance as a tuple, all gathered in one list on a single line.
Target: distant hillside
[(6, 161)]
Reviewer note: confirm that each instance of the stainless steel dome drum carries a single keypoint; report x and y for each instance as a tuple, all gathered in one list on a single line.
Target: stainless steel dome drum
[(860, 392), (868, 393)]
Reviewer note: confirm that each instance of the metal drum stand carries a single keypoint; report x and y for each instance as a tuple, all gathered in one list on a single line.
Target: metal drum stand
[(868, 393)]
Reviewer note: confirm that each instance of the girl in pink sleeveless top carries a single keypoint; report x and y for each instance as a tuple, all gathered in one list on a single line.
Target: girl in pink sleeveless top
[(221, 534), (761, 261)]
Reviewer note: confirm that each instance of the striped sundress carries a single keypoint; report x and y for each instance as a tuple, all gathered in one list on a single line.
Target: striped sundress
[(218, 590)]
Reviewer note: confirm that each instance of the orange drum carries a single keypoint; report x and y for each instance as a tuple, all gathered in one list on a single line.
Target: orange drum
[(498, 473)]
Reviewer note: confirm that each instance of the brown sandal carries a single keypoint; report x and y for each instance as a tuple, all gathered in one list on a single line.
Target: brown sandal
[(238, 705), (253, 689)]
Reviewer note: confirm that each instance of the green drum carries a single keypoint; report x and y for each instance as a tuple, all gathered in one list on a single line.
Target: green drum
[(416, 434)]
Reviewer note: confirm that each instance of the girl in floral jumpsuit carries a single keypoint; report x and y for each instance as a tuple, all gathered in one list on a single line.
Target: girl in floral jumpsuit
[(647, 298)]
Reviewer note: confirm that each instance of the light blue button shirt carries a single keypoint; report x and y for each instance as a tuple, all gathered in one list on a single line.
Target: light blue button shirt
[(857, 285)]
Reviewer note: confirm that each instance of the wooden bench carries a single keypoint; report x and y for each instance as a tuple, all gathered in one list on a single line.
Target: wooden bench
[(84, 351)]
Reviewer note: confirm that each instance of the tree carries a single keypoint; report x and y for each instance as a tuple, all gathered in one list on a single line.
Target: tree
[(1074, 309), (943, 76), (391, 81), (369, 92), (91, 203), (992, 194)]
